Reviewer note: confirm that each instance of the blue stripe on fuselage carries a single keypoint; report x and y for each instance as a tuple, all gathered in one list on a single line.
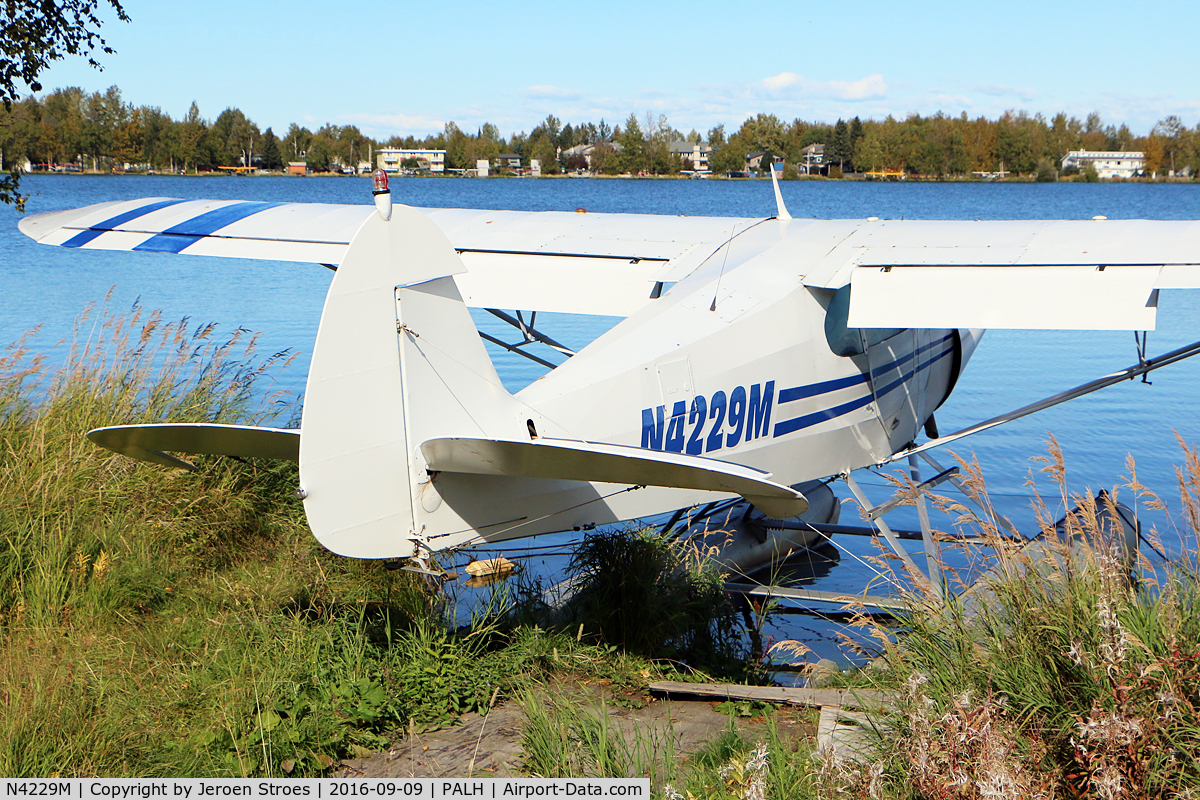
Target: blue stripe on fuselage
[(899, 362), (817, 417), (175, 239), (908, 375), (83, 237), (808, 420), (814, 389)]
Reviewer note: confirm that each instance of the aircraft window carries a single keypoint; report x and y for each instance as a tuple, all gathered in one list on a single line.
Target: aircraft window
[(844, 341)]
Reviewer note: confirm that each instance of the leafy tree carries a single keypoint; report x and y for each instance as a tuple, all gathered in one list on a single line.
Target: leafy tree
[(870, 153), (544, 150), (1046, 173), (65, 108), (234, 136), (458, 146), (296, 142), (317, 157), (272, 157), (1093, 136), (32, 35), (1170, 130), (632, 157), (102, 114), (1155, 151), (155, 129), (127, 140), (191, 133), (604, 159)]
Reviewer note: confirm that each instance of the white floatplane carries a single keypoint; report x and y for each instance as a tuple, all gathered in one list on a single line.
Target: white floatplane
[(755, 354)]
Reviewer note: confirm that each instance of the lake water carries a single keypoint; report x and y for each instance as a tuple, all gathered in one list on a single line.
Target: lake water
[(50, 286)]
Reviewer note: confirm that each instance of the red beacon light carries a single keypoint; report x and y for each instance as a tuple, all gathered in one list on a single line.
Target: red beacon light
[(379, 181), (383, 195)]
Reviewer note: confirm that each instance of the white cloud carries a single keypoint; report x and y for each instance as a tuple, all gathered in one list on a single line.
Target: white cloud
[(549, 92), (1000, 90), (782, 81), (871, 87), (383, 126)]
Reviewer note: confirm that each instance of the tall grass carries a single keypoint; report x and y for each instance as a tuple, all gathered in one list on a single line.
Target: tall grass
[(157, 622), (658, 598), (1062, 678)]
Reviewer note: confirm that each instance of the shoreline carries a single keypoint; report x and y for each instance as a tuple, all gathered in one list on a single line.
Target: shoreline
[(852, 178)]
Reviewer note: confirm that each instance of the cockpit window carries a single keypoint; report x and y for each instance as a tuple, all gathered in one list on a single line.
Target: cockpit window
[(844, 341)]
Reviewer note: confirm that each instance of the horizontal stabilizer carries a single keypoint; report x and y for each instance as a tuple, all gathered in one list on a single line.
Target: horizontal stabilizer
[(148, 442), (562, 459)]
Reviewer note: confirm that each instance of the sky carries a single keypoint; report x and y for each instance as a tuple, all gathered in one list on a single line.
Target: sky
[(401, 68)]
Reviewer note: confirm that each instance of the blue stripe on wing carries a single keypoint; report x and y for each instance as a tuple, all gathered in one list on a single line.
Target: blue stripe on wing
[(83, 237), (175, 239)]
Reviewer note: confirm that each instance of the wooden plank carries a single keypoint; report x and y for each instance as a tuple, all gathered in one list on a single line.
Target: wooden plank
[(841, 598), (852, 698)]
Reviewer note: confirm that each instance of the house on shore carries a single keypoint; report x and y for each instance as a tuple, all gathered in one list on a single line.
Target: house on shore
[(392, 159), (694, 155), (812, 158), (507, 161), (570, 157), (754, 161), (1108, 163)]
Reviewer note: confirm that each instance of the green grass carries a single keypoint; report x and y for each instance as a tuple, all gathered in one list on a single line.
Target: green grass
[(162, 623)]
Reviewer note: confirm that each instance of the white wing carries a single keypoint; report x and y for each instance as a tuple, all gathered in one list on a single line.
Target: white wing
[(906, 274), (539, 261), (1093, 274)]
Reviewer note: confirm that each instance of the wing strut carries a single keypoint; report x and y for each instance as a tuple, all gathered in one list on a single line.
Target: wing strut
[(530, 334), (1129, 373)]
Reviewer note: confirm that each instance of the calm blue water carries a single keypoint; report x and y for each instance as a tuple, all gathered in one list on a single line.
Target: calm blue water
[(50, 286)]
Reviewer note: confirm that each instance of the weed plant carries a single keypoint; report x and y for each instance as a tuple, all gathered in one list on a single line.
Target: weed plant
[(656, 598)]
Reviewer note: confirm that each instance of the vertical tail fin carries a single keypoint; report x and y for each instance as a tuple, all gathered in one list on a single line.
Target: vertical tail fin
[(397, 361)]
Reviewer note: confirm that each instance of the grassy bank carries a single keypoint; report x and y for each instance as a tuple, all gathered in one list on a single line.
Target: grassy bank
[(157, 622), (161, 623)]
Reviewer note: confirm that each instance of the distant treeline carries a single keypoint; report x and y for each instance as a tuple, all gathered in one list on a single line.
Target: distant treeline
[(100, 131)]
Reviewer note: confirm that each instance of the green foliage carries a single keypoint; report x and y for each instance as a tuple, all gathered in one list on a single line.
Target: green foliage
[(1046, 173), (272, 157), (67, 125), (1090, 175), (32, 36), (562, 740), (749, 709), (654, 597), (156, 622)]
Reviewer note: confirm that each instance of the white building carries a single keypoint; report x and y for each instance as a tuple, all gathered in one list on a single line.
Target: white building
[(391, 159), (1108, 163)]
